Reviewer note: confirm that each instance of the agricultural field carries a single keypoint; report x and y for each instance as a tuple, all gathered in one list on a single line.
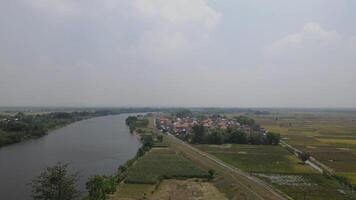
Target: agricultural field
[(271, 159), (162, 163), (277, 166), (330, 137), (187, 190), (132, 191), (156, 172)]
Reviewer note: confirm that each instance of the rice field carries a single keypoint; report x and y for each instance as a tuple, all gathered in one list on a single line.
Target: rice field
[(330, 137), (258, 158), (281, 169)]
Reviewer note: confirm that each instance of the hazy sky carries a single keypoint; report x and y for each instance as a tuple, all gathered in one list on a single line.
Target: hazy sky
[(230, 53)]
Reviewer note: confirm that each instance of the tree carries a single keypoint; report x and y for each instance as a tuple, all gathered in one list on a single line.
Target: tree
[(184, 113), (238, 137), (147, 141), (256, 138), (99, 186), (304, 156), (95, 187), (198, 134), (55, 183), (272, 138), (245, 120), (215, 138), (211, 173)]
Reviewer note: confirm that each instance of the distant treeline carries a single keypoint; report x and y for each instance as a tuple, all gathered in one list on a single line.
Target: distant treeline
[(19, 127), (232, 135)]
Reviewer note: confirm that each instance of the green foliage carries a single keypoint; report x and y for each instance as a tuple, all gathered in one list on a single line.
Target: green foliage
[(304, 156), (237, 137), (215, 138), (232, 135), (136, 122), (198, 134), (99, 186), (184, 113), (211, 173), (272, 138), (245, 120), (54, 183), (147, 141)]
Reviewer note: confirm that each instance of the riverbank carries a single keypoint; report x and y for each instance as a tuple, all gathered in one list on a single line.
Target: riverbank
[(22, 126), (93, 146)]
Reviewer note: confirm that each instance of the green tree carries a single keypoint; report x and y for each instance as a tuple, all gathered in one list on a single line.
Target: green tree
[(215, 138), (272, 138), (198, 134), (237, 137), (245, 120), (95, 187), (304, 156), (211, 173), (184, 113), (55, 183), (147, 141), (99, 186)]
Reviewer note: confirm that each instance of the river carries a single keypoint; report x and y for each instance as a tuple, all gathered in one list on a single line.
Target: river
[(93, 146)]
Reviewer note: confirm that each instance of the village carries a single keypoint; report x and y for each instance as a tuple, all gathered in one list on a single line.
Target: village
[(184, 125)]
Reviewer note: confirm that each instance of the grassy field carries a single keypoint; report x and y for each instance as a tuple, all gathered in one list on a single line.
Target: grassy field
[(330, 137), (271, 159), (278, 167), (163, 163)]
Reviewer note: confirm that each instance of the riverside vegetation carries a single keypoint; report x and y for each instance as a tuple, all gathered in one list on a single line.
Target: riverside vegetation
[(16, 127), (20, 127)]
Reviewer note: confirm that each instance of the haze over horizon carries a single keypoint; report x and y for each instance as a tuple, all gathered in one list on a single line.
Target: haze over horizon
[(195, 53)]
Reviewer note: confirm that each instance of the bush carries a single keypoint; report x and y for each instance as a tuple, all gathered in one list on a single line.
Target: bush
[(304, 156)]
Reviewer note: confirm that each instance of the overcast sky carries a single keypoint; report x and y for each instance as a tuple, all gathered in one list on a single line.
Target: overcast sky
[(226, 53)]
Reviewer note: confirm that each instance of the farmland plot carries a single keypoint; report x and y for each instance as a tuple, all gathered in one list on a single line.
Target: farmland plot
[(162, 163), (278, 167)]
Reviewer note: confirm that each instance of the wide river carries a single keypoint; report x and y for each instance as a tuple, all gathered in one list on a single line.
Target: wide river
[(93, 146)]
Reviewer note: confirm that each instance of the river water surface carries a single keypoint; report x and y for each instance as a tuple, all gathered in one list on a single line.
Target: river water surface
[(94, 146)]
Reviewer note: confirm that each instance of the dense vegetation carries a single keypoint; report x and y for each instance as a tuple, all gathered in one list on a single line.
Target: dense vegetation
[(19, 127), (135, 122), (232, 135)]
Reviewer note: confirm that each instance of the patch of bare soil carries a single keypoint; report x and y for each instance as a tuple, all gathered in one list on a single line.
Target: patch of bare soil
[(187, 190)]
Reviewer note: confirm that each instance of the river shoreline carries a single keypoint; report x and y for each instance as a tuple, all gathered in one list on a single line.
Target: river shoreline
[(92, 146)]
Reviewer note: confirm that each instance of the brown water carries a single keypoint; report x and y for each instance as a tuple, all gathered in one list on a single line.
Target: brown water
[(94, 146)]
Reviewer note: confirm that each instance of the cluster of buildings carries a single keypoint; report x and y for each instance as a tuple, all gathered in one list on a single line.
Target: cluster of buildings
[(185, 125)]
